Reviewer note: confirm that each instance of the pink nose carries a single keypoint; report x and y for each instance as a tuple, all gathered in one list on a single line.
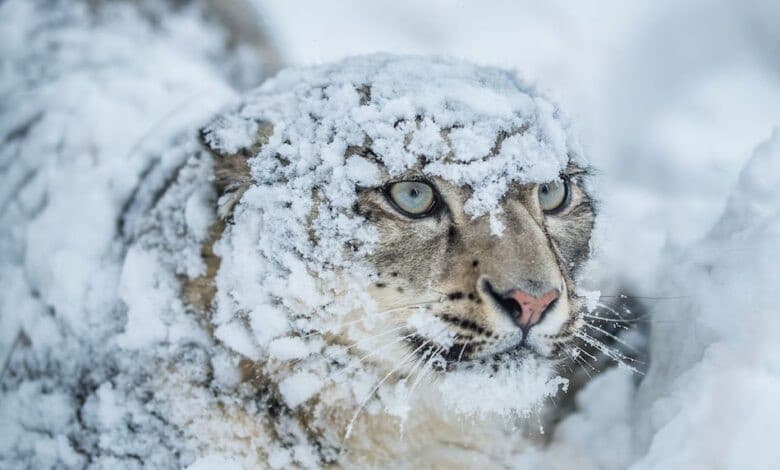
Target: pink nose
[(532, 309)]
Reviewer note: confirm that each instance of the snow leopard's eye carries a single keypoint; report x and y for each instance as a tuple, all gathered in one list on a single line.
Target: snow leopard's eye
[(553, 196), (412, 198)]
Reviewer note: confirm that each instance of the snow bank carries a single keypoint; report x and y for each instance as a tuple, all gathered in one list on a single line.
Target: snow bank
[(709, 399), (92, 95)]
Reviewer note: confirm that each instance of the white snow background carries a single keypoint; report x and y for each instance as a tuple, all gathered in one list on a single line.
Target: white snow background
[(676, 105)]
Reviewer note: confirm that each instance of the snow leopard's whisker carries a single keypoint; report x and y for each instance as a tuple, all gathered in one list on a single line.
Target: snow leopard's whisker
[(575, 356), (598, 344), (386, 332), (335, 328), (593, 358), (610, 309), (424, 371), (610, 335), (421, 359), (609, 319), (611, 353), (463, 348), (376, 351), (401, 363), (563, 363), (409, 306), (368, 317), (356, 362), (647, 297)]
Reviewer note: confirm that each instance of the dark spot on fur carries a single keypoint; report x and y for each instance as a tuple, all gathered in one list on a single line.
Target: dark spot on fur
[(475, 263), (399, 289), (452, 235), (471, 296), (455, 296), (365, 94), (394, 274), (465, 324), (380, 284)]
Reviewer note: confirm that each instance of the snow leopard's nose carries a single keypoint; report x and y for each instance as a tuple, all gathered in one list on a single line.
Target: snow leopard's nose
[(528, 310), (525, 309)]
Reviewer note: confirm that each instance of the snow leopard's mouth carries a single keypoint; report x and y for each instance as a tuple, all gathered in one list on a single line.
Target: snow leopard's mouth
[(471, 353)]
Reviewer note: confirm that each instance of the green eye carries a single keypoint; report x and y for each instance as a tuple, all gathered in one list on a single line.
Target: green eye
[(553, 195), (413, 198)]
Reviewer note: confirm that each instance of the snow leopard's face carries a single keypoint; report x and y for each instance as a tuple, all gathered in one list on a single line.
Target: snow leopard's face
[(485, 301)]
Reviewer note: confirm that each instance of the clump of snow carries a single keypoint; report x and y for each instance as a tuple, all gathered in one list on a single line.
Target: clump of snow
[(510, 391), (298, 388)]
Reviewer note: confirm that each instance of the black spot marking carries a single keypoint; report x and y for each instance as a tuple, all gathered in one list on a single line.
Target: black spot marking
[(394, 274), (472, 296), (399, 289), (455, 295), (475, 263), (465, 324), (452, 235), (380, 284)]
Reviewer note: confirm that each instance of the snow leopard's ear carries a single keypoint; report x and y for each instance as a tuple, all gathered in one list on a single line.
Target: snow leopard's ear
[(232, 176)]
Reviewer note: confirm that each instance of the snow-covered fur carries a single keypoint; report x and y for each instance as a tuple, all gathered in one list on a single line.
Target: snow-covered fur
[(340, 328)]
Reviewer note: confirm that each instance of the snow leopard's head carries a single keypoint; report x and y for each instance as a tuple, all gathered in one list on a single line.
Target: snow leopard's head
[(453, 195), (496, 298)]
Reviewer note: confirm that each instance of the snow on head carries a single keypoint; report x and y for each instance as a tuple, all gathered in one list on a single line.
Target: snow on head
[(471, 125)]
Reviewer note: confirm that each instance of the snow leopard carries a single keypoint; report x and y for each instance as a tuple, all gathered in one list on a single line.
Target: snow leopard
[(387, 265)]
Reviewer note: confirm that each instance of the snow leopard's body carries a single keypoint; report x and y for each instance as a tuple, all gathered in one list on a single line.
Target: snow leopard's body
[(435, 267), (260, 297)]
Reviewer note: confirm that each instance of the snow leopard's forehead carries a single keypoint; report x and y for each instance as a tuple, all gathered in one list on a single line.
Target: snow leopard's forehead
[(471, 125)]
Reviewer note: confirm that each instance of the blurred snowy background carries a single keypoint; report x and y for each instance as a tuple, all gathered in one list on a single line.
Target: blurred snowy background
[(673, 102)]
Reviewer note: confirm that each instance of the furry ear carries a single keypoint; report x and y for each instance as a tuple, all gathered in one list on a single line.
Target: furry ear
[(232, 176)]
